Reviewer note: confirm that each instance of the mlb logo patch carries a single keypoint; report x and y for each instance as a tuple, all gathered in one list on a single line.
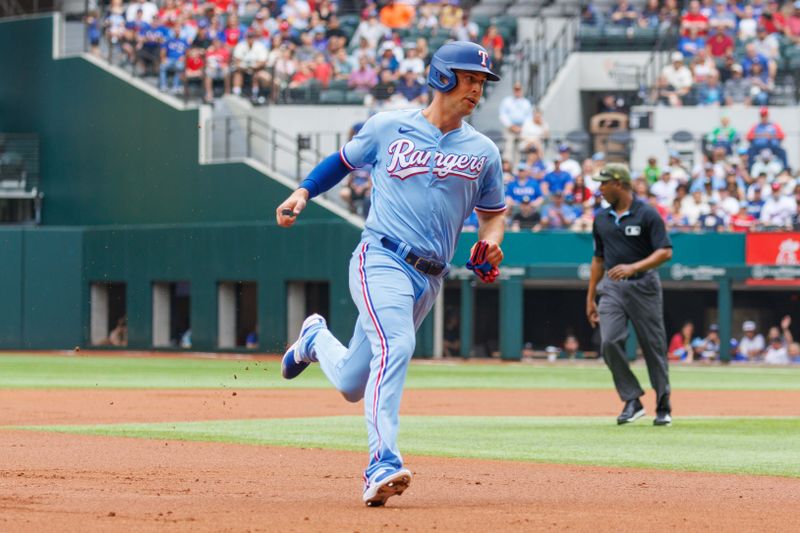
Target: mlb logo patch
[(633, 231)]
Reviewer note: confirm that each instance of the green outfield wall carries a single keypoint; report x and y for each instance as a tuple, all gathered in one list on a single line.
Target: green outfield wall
[(556, 247)]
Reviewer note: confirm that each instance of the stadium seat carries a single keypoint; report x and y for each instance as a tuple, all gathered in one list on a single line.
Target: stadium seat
[(618, 146), (482, 21), (590, 38), (683, 142), (523, 10), (338, 85), (578, 142), (332, 97), (354, 97), (487, 11)]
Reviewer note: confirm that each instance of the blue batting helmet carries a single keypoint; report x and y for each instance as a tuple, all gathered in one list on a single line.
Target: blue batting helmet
[(458, 55)]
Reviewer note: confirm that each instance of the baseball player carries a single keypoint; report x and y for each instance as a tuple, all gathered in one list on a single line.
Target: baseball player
[(630, 242), (429, 170)]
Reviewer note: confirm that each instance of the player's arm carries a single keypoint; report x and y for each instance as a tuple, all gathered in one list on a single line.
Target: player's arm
[(491, 228), (595, 275), (654, 260), (323, 177), (358, 151), (491, 210)]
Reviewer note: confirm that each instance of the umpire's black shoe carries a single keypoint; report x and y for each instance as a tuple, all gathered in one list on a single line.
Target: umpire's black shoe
[(662, 419), (634, 410)]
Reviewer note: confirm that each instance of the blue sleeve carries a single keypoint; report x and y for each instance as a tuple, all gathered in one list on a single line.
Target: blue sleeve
[(490, 198), (325, 175), (363, 148)]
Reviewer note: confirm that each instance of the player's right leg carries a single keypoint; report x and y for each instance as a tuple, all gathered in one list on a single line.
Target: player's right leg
[(614, 334), (647, 315), (346, 367)]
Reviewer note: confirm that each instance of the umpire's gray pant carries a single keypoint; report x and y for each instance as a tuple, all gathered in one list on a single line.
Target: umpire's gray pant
[(641, 302)]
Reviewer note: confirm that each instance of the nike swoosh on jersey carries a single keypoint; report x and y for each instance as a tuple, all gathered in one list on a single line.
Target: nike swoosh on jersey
[(404, 130)]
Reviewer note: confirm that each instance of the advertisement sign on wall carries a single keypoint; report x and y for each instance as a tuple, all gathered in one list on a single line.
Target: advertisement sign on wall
[(774, 249)]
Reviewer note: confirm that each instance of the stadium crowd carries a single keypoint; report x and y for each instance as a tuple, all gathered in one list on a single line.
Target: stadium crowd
[(741, 183), (279, 50), (728, 52), (276, 50), (778, 348)]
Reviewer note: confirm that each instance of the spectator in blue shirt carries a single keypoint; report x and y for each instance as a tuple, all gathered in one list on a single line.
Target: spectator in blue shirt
[(710, 92), (713, 221), (558, 180), (751, 57), (756, 203), (535, 164), (623, 14), (692, 42), (149, 42), (699, 183), (556, 214), (651, 15), (173, 52), (590, 16), (523, 187), (409, 87)]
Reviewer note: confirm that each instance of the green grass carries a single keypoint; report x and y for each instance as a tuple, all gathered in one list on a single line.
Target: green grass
[(25, 371), (766, 446)]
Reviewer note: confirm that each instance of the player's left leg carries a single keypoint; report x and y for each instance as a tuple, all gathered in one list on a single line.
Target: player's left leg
[(392, 299), (646, 309)]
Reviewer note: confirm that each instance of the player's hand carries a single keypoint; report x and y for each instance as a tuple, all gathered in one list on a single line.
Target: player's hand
[(786, 322), (491, 253), (287, 212), (483, 260), (621, 272), (591, 313)]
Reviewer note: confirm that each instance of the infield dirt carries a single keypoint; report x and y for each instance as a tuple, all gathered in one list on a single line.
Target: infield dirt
[(59, 482)]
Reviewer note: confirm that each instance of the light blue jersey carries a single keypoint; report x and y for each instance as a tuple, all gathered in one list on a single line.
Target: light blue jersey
[(425, 183)]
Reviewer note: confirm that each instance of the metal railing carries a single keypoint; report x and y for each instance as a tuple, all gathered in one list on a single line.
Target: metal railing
[(15, 8), (234, 138), (536, 64), (20, 197), (667, 40)]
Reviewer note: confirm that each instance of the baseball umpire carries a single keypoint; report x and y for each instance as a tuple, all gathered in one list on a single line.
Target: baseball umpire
[(630, 242)]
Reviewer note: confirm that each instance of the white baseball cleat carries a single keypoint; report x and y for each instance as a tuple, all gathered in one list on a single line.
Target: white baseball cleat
[(384, 484), (295, 360)]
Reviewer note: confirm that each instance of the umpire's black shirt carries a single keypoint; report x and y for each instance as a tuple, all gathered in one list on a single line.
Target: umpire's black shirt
[(629, 237)]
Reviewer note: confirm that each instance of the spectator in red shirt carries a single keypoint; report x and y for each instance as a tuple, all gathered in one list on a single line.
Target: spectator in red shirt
[(323, 71), (221, 6), (719, 44), (169, 13), (694, 18), (743, 221), (194, 66), (772, 19), (792, 30), (304, 74), (218, 60), (233, 32), (494, 43)]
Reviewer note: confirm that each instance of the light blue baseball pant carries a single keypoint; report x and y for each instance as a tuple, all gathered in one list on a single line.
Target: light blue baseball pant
[(392, 299)]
